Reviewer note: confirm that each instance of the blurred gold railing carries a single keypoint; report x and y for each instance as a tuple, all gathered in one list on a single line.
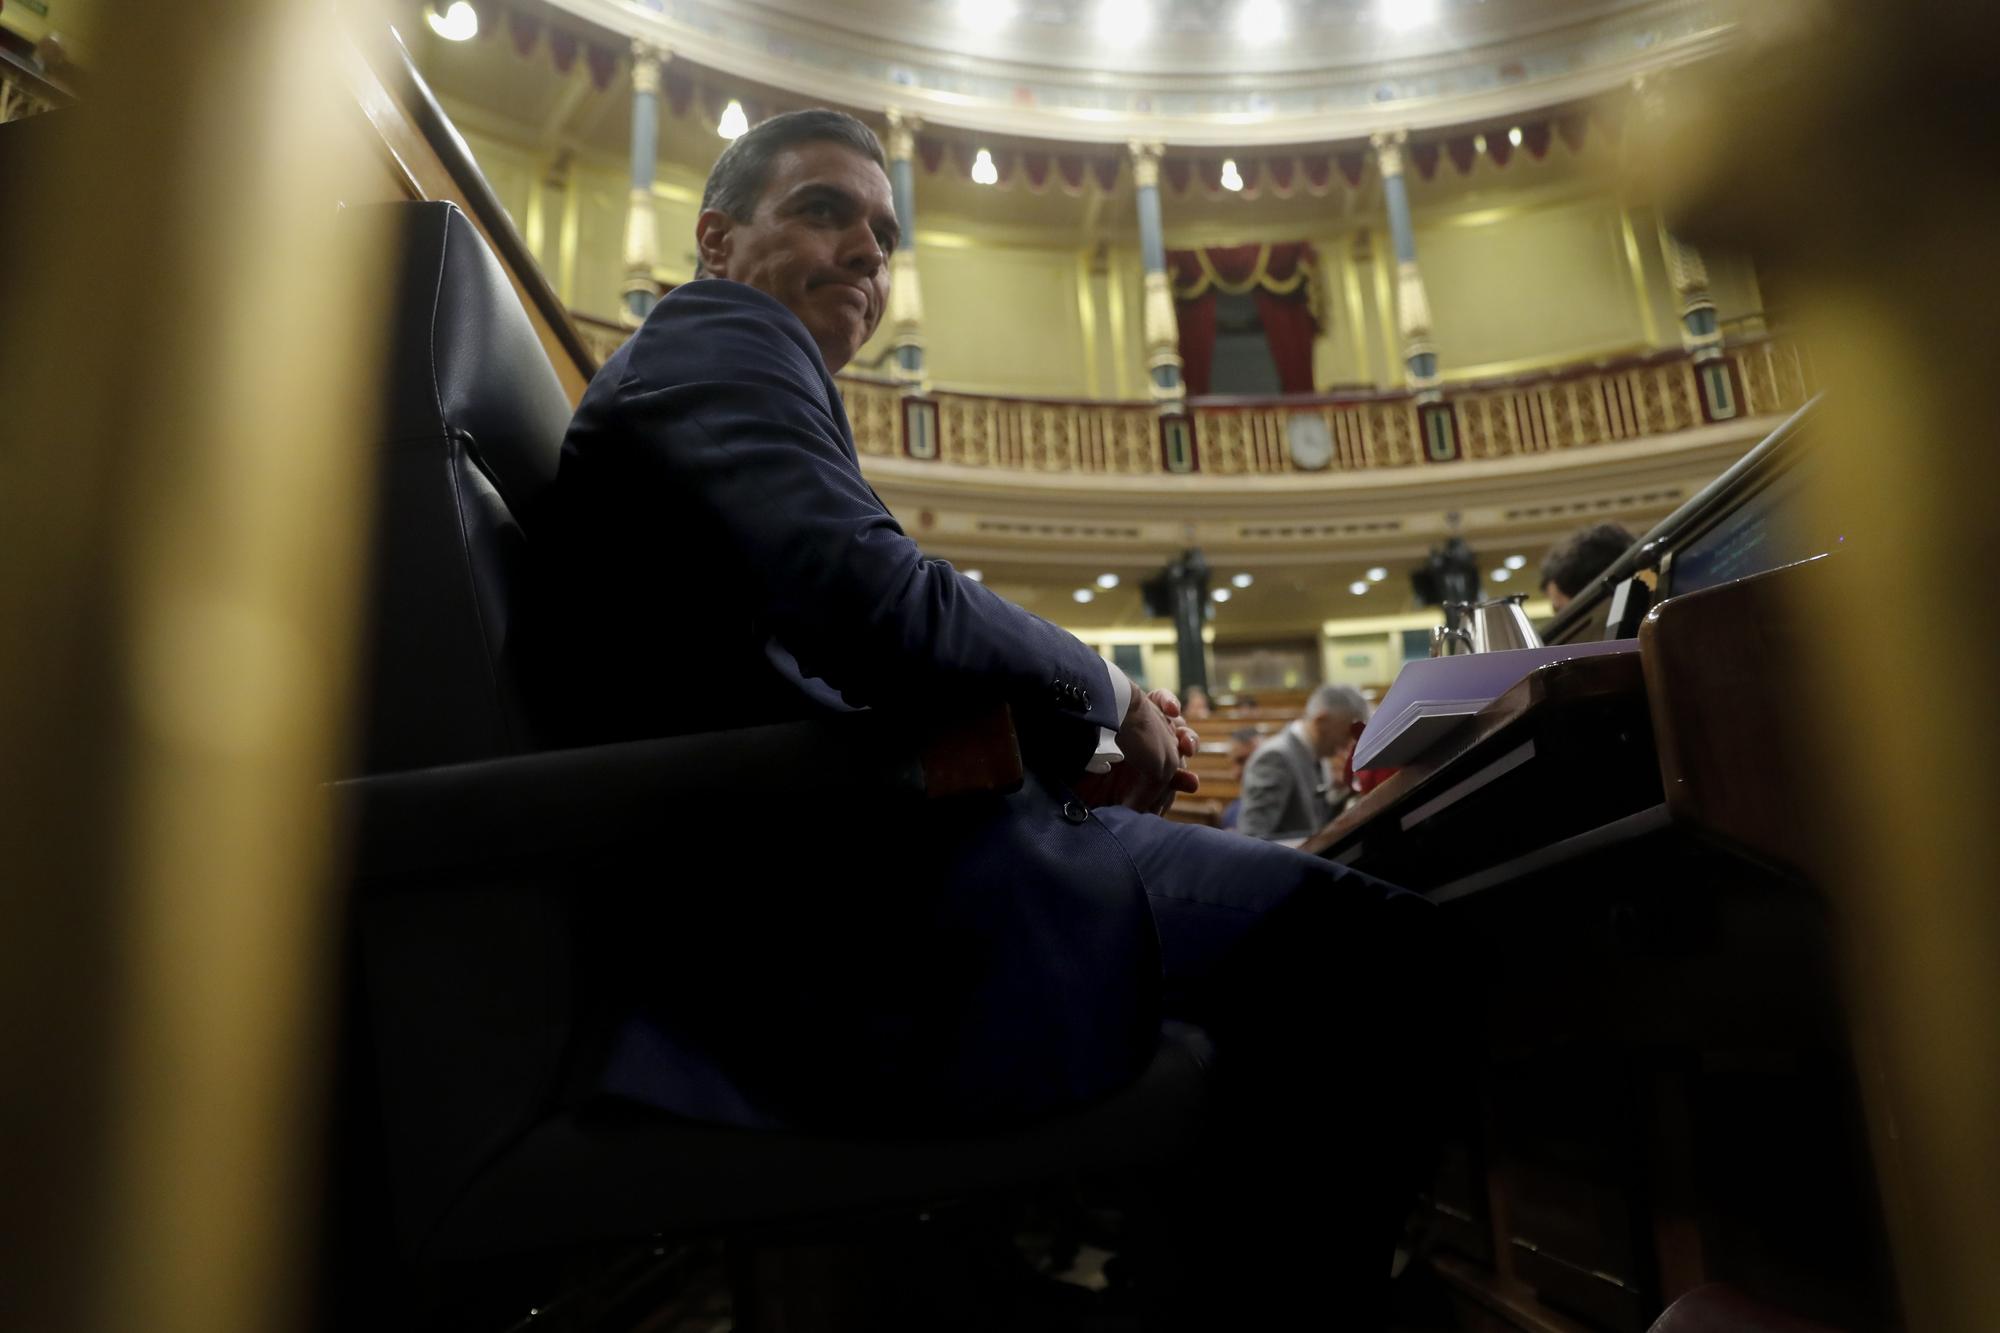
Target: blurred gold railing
[(25, 90), (1571, 408)]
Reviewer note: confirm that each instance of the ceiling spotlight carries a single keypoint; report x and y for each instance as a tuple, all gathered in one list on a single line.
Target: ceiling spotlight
[(456, 24), (1232, 179), (986, 16), (1502, 574), (733, 123), (1107, 581), (1514, 136), (1403, 15), (1085, 594), (976, 575), (983, 170), (1358, 587), (1515, 562), (1128, 20), (1241, 580), (1221, 594), (1377, 574), (1260, 20)]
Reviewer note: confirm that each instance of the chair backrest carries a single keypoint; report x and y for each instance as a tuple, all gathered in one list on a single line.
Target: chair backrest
[(462, 992), (473, 431)]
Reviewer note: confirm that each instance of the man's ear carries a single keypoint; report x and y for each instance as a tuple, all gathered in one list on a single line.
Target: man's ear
[(712, 241)]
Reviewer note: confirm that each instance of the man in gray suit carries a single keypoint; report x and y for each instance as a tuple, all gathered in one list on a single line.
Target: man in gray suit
[(1290, 786)]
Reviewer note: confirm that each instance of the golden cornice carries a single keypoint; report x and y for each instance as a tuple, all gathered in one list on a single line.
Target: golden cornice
[(1085, 123)]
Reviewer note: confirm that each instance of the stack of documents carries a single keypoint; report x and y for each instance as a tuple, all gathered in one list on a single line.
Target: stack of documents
[(1433, 696)]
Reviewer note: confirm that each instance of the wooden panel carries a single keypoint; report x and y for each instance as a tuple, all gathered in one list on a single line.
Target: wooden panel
[(1723, 668)]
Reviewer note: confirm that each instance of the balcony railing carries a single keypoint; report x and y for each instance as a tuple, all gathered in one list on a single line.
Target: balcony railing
[(25, 90), (1574, 407)]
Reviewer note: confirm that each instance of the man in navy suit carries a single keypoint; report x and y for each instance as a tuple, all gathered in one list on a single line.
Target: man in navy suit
[(721, 562)]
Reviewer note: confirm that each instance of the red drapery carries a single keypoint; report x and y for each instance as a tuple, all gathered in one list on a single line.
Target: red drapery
[(1280, 275), (1197, 324)]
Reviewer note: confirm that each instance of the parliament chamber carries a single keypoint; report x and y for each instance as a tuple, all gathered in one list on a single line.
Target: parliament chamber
[(1261, 346)]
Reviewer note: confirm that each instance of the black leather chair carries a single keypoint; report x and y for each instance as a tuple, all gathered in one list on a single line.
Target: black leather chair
[(471, 852)]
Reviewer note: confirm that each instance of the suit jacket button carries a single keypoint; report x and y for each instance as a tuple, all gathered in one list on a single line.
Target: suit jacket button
[(1074, 812)]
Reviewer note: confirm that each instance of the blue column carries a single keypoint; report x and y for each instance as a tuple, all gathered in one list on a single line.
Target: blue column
[(1161, 329), (642, 236), (1413, 307), (906, 303)]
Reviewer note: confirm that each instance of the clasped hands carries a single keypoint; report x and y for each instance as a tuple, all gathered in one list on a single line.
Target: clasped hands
[(1157, 744)]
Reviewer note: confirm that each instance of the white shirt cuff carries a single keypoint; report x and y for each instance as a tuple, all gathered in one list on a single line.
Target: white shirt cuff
[(1108, 752)]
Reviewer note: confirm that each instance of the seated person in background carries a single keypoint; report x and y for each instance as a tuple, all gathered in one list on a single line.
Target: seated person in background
[(1242, 744), (718, 560), (1195, 707), (1581, 557), (1289, 786)]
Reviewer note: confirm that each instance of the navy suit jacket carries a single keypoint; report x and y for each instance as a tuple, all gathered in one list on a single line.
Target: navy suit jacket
[(718, 561)]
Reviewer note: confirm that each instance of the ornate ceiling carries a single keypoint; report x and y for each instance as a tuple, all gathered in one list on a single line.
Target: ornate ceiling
[(1190, 72)]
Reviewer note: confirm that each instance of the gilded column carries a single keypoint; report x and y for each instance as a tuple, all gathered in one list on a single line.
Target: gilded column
[(1701, 329), (906, 301), (642, 229), (1413, 307), (1161, 330)]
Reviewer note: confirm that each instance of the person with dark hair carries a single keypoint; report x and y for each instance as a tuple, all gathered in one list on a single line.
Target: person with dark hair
[(1581, 557), (1243, 743), (720, 561)]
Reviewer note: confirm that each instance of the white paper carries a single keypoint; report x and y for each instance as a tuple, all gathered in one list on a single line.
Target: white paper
[(1433, 696)]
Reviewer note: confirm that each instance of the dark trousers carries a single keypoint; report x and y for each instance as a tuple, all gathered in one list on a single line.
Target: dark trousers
[(1320, 987)]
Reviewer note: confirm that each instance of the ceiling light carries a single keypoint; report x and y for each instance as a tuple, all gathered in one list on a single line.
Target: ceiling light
[(1232, 179), (456, 24), (986, 16), (1260, 20), (1502, 574), (983, 170), (1515, 562), (1403, 15), (1514, 136), (1085, 595), (1127, 20), (976, 575), (1107, 581), (733, 123), (1358, 587), (1377, 574), (1241, 580), (1222, 594)]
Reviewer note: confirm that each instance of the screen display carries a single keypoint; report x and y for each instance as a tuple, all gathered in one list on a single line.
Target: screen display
[(1775, 526)]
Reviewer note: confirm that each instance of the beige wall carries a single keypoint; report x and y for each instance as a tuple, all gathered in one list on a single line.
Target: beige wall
[(1510, 286)]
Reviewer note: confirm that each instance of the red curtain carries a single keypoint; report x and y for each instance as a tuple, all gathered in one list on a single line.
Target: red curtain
[(1289, 328), (1287, 316)]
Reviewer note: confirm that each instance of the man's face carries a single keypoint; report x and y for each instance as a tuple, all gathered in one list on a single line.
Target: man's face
[(1239, 756), (1331, 732), (819, 240), (1558, 599)]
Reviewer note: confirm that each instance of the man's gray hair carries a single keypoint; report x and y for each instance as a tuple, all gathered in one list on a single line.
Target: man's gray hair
[(739, 177), (1342, 699)]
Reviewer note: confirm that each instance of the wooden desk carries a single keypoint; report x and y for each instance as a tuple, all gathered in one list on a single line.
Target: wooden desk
[(1663, 1091)]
